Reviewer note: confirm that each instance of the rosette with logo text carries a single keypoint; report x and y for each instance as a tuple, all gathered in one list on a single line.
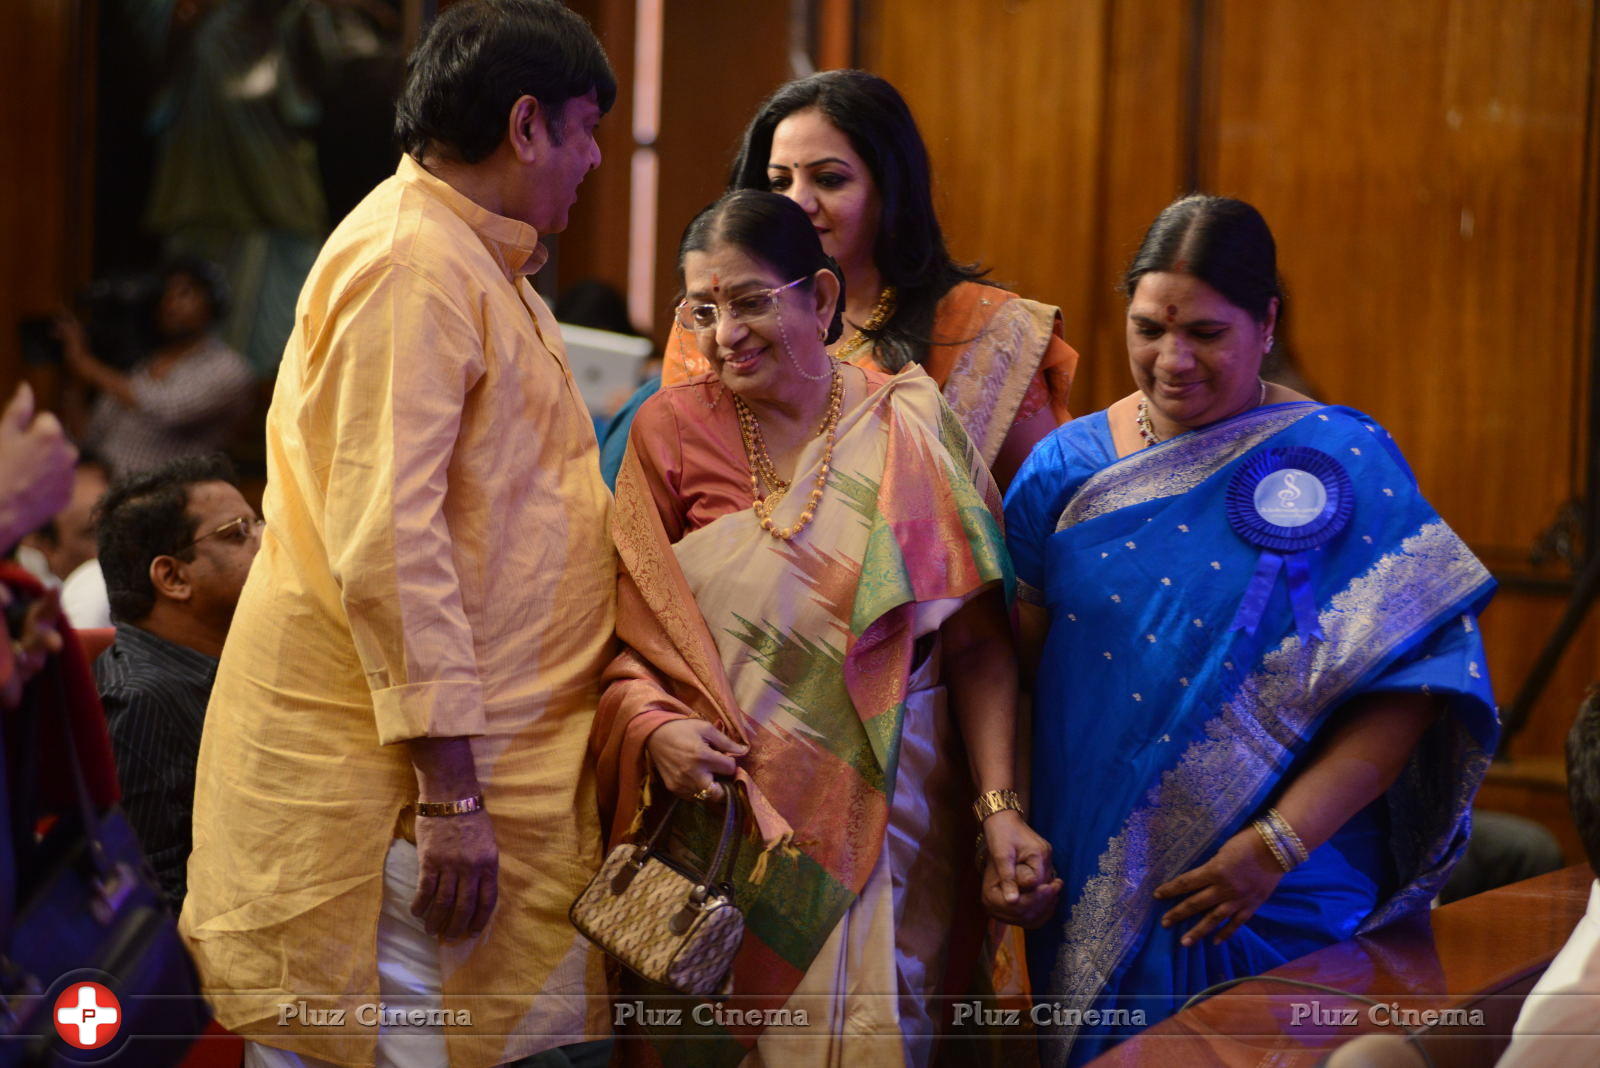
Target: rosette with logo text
[(1287, 502)]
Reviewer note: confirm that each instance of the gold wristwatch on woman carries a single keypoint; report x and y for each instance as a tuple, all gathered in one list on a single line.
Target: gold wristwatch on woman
[(991, 801)]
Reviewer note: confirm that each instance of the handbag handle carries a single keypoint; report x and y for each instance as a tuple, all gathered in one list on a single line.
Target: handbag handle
[(97, 852), (722, 860), (722, 857)]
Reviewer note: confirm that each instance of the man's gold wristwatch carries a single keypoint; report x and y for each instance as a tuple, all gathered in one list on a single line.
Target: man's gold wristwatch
[(465, 807)]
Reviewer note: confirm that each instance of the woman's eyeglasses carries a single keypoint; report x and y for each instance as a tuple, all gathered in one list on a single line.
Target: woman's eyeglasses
[(741, 309), (241, 529)]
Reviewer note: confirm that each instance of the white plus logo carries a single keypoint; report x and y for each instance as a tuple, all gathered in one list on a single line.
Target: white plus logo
[(87, 1015)]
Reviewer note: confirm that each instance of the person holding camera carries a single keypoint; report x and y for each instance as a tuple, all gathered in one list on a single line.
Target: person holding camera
[(185, 398)]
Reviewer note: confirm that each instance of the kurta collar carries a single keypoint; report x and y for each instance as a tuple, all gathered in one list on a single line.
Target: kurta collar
[(515, 244)]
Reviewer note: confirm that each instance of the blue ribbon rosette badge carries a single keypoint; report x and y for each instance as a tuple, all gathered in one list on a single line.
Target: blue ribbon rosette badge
[(1286, 502)]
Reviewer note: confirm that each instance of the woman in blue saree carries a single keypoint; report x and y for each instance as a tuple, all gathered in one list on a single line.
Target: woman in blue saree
[(1261, 707)]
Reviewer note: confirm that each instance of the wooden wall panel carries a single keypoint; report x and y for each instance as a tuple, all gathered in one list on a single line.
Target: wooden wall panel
[(595, 242), (1422, 166), (708, 95), (1011, 102), (1145, 144), (1430, 170), (44, 193), (1515, 628), (1049, 165)]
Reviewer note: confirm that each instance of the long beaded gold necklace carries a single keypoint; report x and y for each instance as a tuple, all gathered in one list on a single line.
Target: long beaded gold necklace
[(763, 471), (881, 312)]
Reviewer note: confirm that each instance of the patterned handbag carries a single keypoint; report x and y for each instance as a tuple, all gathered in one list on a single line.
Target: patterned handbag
[(661, 920)]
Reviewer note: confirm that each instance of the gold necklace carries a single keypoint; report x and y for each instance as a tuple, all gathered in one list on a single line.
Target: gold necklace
[(761, 469), (1147, 430), (881, 313), (755, 448)]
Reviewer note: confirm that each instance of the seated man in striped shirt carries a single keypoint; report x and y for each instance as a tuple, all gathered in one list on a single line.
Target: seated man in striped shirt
[(175, 546)]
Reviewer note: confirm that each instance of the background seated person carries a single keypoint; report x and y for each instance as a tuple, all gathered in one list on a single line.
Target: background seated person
[(66, 540), (175, 546), (186, 398)]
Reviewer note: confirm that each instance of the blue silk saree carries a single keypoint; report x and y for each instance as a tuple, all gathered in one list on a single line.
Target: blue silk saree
[(1159, 730)]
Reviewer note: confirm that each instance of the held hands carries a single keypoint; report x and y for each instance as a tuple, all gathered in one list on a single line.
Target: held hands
[(1228, 888), (458, 874), (1019, 882), (690, 754)]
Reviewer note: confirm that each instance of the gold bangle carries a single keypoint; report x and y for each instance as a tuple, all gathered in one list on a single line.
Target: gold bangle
[(1286, 835), (1265, 830), (465, 807), (991, 801)]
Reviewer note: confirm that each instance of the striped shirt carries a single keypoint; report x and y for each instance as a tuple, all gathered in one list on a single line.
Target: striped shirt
[(155, 695)]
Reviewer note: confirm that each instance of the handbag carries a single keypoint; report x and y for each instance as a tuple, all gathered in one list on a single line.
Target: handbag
[(661, 920), (89, 909)]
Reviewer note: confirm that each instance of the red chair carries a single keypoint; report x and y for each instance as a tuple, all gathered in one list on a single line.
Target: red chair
[(96, 640), (216, 1048)]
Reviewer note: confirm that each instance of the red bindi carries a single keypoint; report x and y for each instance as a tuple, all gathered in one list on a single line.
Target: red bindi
[(1172, 312)]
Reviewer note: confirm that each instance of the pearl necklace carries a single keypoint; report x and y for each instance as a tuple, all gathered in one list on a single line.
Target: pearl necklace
[(1148, 431), (762, 469), (881, 313)]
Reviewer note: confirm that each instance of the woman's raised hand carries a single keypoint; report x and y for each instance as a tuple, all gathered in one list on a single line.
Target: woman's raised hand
[(691, 754), (1019, 882)]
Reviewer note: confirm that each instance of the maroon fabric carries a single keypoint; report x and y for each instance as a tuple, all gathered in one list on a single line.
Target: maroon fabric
[(84, 715)]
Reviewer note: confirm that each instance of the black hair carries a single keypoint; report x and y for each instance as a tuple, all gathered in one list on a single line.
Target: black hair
[(479, 57), (773, 229), (205, 274), (1583, 776), (1222, 241), (910, 252), (597, 304), (143, 516)]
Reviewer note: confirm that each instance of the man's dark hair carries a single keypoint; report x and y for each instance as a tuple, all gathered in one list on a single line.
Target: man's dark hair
[(1583, 776), (144, 516), (480, 56)]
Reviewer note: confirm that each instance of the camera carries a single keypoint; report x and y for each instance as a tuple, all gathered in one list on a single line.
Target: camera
[(118, 313)]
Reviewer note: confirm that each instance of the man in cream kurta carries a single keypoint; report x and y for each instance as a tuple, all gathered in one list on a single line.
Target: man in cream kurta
[(431, 607)]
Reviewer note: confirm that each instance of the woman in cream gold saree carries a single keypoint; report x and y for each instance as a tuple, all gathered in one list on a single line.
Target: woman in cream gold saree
[(813, 602)]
